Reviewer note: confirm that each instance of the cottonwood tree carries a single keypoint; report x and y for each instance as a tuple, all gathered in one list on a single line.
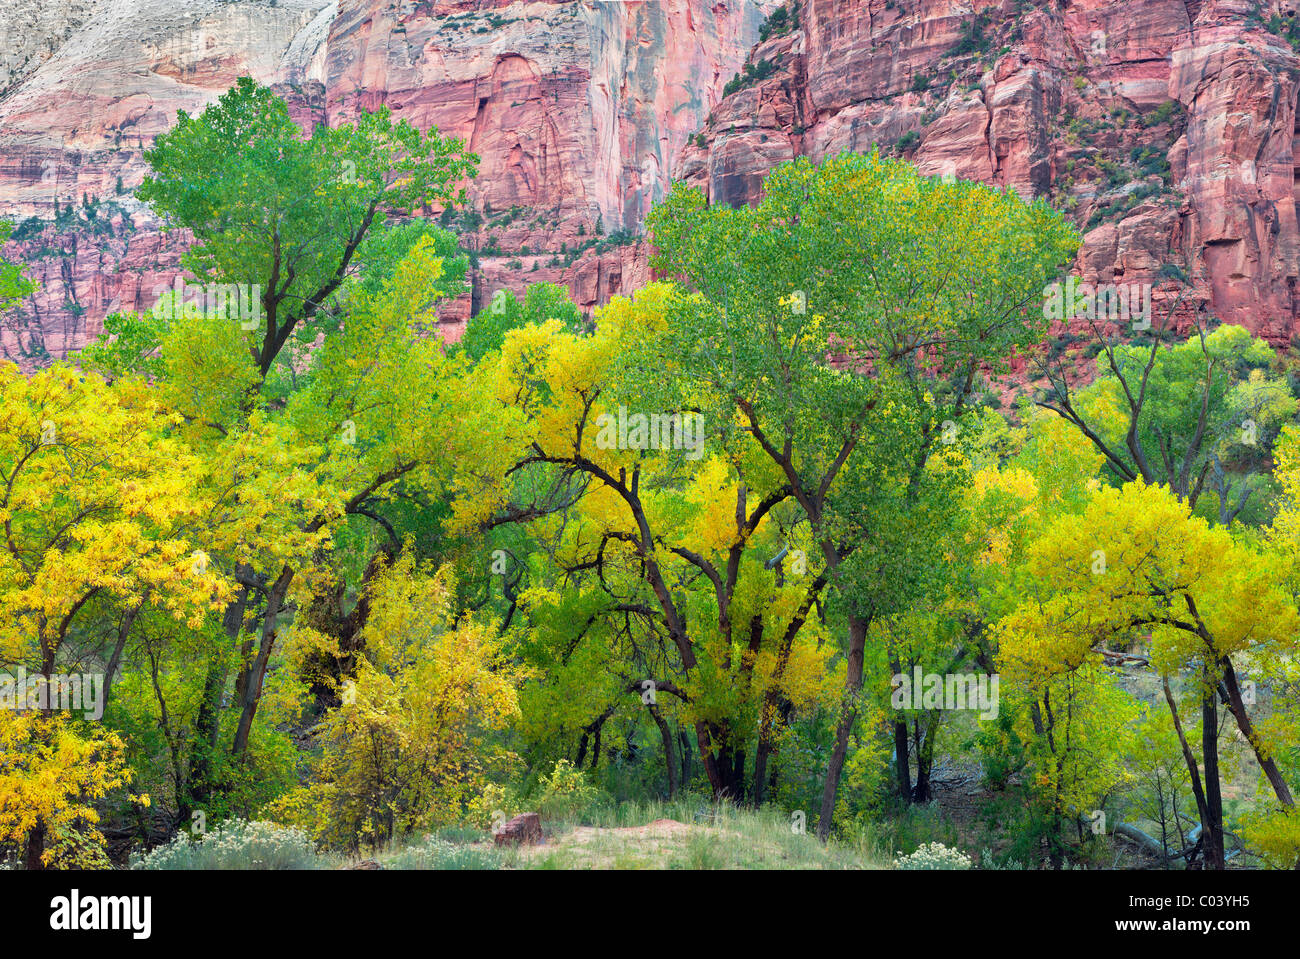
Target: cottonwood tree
[(285, 215), (849, 316), (1135, 559), (661, 567), (1194, 416), (100, 509), (269, 207)]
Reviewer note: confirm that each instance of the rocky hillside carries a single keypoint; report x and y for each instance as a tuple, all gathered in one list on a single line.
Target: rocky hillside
[(1166, 128)]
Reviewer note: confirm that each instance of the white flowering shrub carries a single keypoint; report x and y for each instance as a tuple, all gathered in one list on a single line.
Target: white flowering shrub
[(236, 845), (934, 855), (437, 853)]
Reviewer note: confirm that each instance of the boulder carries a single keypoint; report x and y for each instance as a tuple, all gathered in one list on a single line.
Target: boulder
[(524, 830)]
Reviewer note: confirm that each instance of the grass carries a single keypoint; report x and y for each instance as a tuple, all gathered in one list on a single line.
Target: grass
[(436, 853), (647, 835), (684, 834)]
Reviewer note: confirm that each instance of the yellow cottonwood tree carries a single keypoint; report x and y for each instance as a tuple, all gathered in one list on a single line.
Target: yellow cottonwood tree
[(96, 500), (1136, 561), (98, 505), (408, 748)]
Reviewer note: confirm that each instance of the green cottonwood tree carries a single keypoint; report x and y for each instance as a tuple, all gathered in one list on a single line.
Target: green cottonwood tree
[(289, 216), (844, 321)]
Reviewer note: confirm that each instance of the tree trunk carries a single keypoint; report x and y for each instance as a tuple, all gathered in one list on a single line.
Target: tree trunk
[(1212, 824), (123, 631), (921, 792), (902, 760), (667, 738), (1198, 793), (727, 762), (1238, 709), (848, 713), (760, 766), (704, 743), (207, 725), (685, 742), (257, 673), (35, 848)]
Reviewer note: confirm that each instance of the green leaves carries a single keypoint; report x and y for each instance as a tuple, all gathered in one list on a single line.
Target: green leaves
[(13, 285), (844, 319), (487, 329), (287, 214)]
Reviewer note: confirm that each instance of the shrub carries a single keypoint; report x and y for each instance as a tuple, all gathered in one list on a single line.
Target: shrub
[(934, 855), (236, 844), (1162, 114), (1172, 271), (972, 39), (566, 792), (30, 227), (491, 803), (1286, 27), (436, 853), (410, 749), (752, 73), (778, 23)]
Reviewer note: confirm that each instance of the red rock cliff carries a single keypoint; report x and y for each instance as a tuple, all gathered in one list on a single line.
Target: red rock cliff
[(1166, 128)]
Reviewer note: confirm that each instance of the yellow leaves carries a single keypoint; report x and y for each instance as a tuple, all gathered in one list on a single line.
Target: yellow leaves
[(51, 770), (1004, 505), (99, 498), (1286, 525), (1034, 648), (412, 292), (809, 678), (644, 314), (408, 745), (1135, 561), (1274, 835), (408, 602), (209, 370), (710, 508)]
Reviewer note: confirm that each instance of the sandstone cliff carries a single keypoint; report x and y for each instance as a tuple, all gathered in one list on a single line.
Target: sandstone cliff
[(577, 110), (1167, 129)]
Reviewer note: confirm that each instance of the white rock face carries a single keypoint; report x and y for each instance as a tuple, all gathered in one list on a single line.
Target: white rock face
[(32, 31)]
